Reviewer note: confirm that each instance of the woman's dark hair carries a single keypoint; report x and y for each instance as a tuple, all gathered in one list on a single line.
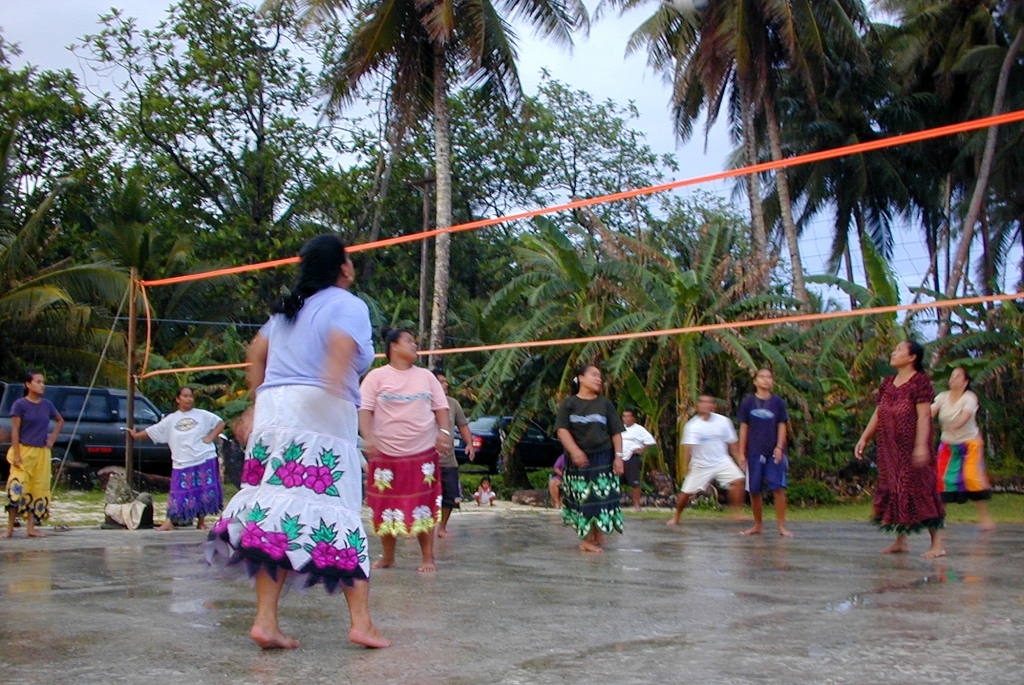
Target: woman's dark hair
[(967, 376), (391, 335), (915, 349), (322, 258), (183, 389), (26, 379), (574, 384)]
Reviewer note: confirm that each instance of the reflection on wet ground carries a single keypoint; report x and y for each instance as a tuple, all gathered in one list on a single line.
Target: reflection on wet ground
[(515, 602)]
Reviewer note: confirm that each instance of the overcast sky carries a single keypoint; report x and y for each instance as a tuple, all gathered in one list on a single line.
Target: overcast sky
[(44, 29)]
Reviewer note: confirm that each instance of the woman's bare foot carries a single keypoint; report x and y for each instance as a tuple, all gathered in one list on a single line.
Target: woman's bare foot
[(784, 532), (166, 525), (442, 533), (383, 563), (7, 534), (368, 638), (587, 546), (427, 566), (898, 547), (271, 639), (674, 521), (755, 529), (34, 534), (934, 553)]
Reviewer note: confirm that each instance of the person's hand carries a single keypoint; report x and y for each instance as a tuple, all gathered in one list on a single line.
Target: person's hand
[(858, 451), (242, 426), (50, 441), (618, 466), (742, 463), (370, 450), (579, 457), (17, 460), (470, 452), (444, 443), (778, 455), (921, 456)]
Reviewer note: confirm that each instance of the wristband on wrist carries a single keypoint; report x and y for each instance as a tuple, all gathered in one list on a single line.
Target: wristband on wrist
[(445, 431), (619, 454)]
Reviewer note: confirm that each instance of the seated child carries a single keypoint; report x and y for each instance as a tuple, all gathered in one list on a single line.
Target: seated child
[(484, 496), (555, 482)]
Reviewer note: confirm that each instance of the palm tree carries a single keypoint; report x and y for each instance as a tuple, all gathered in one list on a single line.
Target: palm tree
[(747, 45), (55, 314), (419, 47)]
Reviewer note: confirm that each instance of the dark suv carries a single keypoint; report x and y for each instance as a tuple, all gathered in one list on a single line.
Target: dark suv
[(99, 439)]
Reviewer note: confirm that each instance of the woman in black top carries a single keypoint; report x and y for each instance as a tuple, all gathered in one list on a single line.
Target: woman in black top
[(591, 432)]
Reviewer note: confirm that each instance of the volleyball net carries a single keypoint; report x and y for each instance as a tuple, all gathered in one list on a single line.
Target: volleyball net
[(810, 158)]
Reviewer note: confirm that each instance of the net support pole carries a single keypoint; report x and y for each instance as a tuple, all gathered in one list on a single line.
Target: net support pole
[(133, 315)]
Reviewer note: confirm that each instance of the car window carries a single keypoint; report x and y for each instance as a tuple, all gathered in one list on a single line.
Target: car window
[(144, 411), (534, 433), (96, 408), (483, 425)]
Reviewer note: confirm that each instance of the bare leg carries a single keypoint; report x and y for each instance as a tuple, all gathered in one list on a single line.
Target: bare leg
[(201, 523), (736, 499), (681, 503), (780, 513), (757, 504), (387, 558), (936, 550), (427, 550), (265, 632), (985, 521), (362, 630), (10, 524), (590, 542), (442, 531), (901, 546), (30, 529), (636, 497), (554, 489)]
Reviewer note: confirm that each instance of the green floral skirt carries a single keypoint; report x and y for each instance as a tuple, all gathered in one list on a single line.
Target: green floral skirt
[(591, 495)]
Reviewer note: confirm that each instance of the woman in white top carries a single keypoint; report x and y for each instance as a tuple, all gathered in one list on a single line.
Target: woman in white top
[(962, 474), (195, 472)]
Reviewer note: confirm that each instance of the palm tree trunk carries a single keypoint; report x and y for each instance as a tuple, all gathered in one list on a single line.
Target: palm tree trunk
[(786, 207), (443, 208), (395, 137), (981, 186), (758, 235)]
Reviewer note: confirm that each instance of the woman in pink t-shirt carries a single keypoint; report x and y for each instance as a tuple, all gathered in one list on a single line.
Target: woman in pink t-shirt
[(405, 424)]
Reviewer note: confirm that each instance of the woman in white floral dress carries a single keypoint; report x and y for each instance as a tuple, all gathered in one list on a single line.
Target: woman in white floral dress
[(297, 516), (405, 425)]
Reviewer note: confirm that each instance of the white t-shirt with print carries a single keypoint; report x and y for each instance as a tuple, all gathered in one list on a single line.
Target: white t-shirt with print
[(709, 439), (184, 433)]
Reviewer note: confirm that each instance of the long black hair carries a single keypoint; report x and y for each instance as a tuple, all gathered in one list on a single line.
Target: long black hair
[(915, 349), (322, 259)]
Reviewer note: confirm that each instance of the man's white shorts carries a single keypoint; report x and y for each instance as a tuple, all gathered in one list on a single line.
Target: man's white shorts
[(699, 477)]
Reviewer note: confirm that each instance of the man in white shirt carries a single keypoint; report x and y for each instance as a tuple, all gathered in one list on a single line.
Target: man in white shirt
[(635, 441), (710, 452)]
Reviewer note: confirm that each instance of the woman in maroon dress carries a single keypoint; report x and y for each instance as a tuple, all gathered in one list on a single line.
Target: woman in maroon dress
[(906, 500)]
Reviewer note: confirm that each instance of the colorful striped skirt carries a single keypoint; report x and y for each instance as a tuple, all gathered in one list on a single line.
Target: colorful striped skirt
[(404, 493), (590, 495), (962, 474)]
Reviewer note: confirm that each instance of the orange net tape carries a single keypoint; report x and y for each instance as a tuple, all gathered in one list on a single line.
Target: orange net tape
[(796, 318)]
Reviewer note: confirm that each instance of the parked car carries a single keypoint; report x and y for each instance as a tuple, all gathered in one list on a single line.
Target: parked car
[(537, 449), (98, 438)]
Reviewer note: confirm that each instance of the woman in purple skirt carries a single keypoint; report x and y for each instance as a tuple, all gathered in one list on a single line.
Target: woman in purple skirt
[(195, 475)]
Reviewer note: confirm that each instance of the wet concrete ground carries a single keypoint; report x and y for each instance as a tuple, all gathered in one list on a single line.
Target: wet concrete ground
[(514, 602)]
